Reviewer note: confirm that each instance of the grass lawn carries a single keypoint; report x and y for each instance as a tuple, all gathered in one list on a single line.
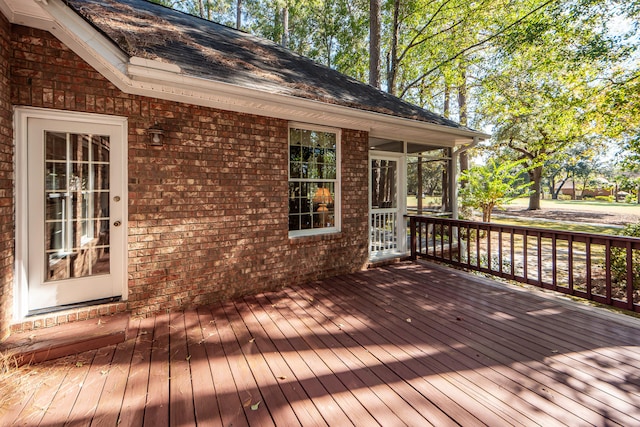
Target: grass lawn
[(593, 206), (584, 205), (559, 225)]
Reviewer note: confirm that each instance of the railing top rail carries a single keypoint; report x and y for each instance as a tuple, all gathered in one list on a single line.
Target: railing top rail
[(635, 241)]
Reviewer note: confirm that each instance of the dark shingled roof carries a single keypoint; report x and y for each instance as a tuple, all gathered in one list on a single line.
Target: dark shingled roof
[(215, 52)]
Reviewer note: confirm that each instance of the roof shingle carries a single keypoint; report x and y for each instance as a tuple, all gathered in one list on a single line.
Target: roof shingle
[(208, 50)]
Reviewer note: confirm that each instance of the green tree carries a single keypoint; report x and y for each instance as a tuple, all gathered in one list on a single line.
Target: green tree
[(545, 93), (493, 185)]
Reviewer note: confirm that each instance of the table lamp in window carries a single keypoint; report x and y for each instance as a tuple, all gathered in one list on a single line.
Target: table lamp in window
[(323, 198)]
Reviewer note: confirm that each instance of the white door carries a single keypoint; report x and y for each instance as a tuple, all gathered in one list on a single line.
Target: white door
[(387, 235), (76, 208)]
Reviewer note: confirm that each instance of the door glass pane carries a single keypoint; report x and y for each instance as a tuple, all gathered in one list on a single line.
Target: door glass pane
[(383, 184), (77, 205)]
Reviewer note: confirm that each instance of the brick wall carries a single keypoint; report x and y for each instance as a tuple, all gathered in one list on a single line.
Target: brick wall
[(208, 210), (6, 182)]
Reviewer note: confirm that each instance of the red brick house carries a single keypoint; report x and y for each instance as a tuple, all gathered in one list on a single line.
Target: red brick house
[(156, 160)]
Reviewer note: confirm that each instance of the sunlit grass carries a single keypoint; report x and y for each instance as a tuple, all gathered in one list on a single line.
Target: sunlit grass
[(562, 226), (590, 205)]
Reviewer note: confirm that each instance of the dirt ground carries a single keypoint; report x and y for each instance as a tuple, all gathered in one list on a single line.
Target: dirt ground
[(586, 214)]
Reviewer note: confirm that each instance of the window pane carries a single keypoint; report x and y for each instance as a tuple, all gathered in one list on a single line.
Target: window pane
[(77, 205), (55, 146), (56, 177), (294, 136), (305, 138), (313, 169), (101, 173), (103, 155)]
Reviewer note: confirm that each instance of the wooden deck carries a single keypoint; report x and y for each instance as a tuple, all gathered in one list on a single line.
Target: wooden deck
[(407, 344)]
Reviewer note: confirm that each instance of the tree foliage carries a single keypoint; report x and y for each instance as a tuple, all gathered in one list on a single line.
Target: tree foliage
[(493, 185), (543, 76)]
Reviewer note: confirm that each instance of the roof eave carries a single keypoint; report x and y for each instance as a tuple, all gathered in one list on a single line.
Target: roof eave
[(166, 81), (157, 79)]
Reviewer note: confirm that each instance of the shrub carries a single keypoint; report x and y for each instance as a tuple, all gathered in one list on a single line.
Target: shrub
[(605, 198), (619, 259)]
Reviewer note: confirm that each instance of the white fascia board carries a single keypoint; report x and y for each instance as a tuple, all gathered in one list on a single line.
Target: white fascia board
[(28, 13), (241, 99), (140, 76)]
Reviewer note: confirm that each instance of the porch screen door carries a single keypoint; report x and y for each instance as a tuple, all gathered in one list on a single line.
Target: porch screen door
[(385, 214), (76, 211)]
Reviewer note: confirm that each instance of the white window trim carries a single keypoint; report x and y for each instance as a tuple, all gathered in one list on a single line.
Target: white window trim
[(337, 228)]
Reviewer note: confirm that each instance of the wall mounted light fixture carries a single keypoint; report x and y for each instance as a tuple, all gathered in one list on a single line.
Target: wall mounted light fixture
[(156, 135)]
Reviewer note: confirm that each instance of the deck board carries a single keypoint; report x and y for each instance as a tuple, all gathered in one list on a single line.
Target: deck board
[(156, 410), (65, 397), (206, 409), (85, 405), (135, 394), (407, 344), (542, 350), (362, 364), (272, 396), (228, 398), (181, 410), (258, 325), (112, 396), (471, 381), (421, 362)]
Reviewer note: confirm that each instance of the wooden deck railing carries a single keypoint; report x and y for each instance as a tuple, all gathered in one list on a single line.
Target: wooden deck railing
[(597, 267)]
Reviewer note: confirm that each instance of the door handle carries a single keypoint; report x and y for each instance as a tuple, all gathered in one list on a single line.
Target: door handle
[(117, 224)]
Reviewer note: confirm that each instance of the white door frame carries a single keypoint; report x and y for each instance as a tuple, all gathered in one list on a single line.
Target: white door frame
[(401, 202), (21, 118)]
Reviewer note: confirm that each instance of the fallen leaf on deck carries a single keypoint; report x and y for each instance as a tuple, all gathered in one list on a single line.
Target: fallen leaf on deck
[(254, 407)]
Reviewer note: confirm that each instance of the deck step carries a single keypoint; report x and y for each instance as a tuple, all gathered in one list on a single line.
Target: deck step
[(64, 340)]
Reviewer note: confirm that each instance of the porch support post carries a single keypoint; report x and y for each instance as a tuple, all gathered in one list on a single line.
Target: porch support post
[(455, 157), (453, 182)]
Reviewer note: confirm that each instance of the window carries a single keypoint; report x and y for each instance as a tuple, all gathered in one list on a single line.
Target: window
[(77, 204), (314, 159)]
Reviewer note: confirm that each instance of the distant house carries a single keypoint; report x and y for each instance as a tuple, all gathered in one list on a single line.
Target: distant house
[(602, 189), (156, 158)]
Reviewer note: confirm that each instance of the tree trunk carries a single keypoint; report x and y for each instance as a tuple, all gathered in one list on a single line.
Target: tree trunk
[(463, 108), (201, 8), (462, 96), (285, 27), (535, 175), (486, 213), (239, 14), (447, 101), (374, 42), (392, 67)]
